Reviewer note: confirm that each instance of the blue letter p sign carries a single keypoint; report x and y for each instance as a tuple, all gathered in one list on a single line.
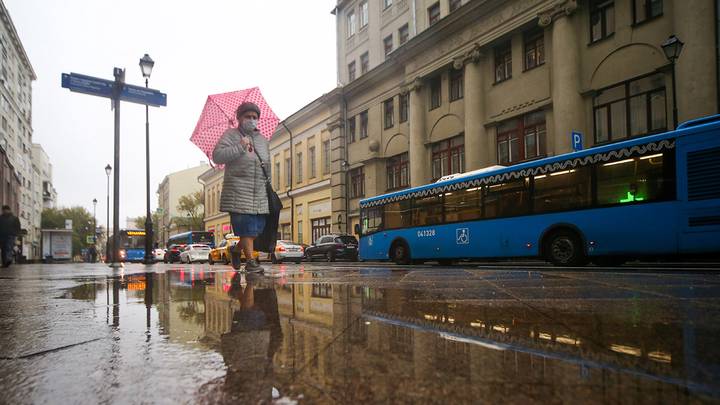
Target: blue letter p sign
[(577, 141)]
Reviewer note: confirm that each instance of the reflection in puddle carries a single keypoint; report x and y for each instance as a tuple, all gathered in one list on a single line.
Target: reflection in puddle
[(326, 342)]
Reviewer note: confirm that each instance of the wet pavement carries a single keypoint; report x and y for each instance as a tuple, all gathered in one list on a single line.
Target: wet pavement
[(351, 333)]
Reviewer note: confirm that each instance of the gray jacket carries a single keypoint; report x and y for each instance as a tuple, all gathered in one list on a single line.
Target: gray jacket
[(243, 189)]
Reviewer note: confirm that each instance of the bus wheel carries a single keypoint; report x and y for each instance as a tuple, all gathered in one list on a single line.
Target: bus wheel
[(400, 253), (564, 248), (210, 260)]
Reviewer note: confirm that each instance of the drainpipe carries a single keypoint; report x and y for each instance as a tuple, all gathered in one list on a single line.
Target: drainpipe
[(346, 160), (289, 191)]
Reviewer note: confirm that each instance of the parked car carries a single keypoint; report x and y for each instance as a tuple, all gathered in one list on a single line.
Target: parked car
[(159, 254), (172, 254), (332, 247), (286, 250), (195, 253)]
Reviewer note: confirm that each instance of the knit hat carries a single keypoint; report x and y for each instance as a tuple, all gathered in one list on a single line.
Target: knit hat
[(245, 107)]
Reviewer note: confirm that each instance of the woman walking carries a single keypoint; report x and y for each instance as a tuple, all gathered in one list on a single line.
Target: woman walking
[(244, 195)]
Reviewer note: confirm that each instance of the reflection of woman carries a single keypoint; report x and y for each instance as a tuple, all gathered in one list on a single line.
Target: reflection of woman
[(249, 347)]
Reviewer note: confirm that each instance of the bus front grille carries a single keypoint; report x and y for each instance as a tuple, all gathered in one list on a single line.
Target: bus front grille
[(703, 174)]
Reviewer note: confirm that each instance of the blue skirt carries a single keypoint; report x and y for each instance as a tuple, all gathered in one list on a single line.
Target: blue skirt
[(247, 225)]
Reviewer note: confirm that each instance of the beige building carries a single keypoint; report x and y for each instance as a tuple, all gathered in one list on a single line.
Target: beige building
[(301, 165), (174, 186), (432, 88), (215, 220)]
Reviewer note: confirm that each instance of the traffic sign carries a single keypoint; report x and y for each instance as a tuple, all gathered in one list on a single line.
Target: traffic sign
[(95, 86), (577, 141)]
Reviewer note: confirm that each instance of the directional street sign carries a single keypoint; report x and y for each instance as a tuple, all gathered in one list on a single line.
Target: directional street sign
[(104, 88), (87, 84)]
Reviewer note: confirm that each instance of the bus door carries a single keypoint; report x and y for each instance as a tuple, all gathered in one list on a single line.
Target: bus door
[(698, 187)]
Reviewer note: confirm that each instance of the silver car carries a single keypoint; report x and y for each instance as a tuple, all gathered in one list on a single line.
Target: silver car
[(195, 253), (286, 250)]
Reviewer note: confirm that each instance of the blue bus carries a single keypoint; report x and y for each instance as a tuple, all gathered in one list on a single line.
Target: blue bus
[(132, 245), (653, 196), (189, 238)]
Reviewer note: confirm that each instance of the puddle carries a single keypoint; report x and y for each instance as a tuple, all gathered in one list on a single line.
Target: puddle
[(209, 337)]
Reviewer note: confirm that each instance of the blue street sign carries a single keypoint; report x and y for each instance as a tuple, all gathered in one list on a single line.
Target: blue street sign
[(87, 84), (577, 141), (104, 88), (141, 95)]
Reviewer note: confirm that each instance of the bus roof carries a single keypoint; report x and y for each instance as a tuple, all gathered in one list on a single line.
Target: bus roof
[(656, 142)]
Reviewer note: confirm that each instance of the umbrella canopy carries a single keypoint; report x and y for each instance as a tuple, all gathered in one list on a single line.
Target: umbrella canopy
[(219, 115)]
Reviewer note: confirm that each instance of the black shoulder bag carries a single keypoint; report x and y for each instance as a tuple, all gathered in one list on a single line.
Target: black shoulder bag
[(266, 241)]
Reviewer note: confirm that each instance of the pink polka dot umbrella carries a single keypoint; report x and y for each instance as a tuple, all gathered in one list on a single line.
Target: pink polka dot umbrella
[(219, 114)]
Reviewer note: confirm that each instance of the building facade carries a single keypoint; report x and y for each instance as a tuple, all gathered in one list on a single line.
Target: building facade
[(174, 186), (10, 186), (16, 76), (301, 169), (41, 161), (432, 88)]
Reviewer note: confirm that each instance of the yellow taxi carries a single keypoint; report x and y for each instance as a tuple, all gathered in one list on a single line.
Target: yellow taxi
[(221, 253)]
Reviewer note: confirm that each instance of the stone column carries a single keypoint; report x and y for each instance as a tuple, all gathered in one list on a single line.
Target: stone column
[(696, 68), (568, 104), (338, 177), (419, 167), (477, 155)]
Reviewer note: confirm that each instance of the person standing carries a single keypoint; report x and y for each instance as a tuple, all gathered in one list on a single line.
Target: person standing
[(244, 195), (9, 230)]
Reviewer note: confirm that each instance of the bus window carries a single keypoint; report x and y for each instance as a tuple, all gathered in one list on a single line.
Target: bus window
[(427, 211), (507, 199), (463, 205), (371, 220), (563, 190), (398, 215), (632, 180)]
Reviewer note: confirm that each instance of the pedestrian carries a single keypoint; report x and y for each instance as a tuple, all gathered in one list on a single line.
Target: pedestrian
[(244, 193), (9, 230), (92, 252)]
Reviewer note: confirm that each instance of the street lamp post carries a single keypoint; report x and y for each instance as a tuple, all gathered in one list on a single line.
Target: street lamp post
[(95, 220), (146, 66), (672, 47), (108, 170)]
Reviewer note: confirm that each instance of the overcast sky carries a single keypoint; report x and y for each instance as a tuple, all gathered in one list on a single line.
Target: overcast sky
[(286, 47)]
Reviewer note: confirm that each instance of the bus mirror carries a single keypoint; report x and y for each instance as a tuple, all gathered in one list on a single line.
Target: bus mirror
[(357, 229)]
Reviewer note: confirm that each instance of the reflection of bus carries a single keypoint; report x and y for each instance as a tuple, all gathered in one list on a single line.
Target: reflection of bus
[(132, 245), (188, 238), (651, 196)]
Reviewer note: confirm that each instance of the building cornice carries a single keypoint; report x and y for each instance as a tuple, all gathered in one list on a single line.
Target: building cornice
[(309, 188)]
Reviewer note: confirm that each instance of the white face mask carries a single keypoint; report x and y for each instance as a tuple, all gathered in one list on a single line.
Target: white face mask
[(249, 125)]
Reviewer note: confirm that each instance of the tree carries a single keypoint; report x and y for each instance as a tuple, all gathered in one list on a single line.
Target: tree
[(193, 206), (82, 220), (140, 224)]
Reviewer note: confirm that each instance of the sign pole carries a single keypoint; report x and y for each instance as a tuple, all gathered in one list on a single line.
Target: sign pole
[(118, 86)]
